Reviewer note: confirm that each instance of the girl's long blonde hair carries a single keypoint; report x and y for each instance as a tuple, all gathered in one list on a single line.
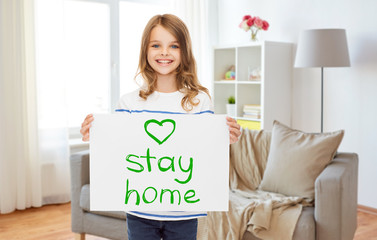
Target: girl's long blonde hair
[(186, 76)]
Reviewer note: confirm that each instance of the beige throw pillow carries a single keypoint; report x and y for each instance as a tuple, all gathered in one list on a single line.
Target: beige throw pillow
[(296, 159)]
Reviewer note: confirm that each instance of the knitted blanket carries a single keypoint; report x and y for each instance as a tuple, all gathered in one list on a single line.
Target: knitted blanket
[(265, 215)]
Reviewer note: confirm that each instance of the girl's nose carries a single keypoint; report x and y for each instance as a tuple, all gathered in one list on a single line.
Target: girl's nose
[(164, 52)]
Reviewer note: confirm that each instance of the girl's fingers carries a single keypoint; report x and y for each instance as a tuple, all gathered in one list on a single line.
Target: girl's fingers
[(85, 138), (233, 136), (82, 130), (234, 125), (87, 120), (234, 130), (85, 129), (89, 116), (232, 139), (231, 122), (85, 126)]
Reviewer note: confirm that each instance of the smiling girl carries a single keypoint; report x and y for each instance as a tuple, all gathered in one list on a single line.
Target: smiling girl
[(168, 69)]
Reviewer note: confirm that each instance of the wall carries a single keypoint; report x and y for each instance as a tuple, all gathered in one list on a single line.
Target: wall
[(350, 99)]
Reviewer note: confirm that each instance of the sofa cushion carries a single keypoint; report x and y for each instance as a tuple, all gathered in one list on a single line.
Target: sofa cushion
[(85, 204), (296, 159)]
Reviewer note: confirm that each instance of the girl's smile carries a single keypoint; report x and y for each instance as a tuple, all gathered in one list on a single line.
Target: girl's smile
[(164, 62)]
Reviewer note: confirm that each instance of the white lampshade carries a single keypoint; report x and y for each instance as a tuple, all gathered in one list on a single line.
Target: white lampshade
[(322, 48)]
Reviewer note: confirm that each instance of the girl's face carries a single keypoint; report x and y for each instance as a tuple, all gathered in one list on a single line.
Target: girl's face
[(164, 54)]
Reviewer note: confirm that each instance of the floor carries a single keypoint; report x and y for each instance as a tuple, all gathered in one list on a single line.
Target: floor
[(54, 222)]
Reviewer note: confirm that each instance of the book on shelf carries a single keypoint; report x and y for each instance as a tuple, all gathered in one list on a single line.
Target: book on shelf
[(252, 111), (251, 107), (255, 116)]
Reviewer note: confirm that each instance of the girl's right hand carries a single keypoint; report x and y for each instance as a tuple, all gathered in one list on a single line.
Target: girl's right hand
[(85, 126)]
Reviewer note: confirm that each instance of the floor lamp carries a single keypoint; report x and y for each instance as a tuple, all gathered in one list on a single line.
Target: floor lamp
[(322, 48)]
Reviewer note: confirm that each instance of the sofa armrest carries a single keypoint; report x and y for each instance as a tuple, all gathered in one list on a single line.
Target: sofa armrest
[(79, 163), (336, 199)]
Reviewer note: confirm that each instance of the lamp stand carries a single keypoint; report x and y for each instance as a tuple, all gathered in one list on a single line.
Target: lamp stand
[(321, 99)]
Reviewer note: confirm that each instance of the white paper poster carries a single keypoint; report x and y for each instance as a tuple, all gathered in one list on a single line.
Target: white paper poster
[(159, 162)]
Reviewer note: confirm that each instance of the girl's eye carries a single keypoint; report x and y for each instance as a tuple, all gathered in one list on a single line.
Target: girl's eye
[(155, 45), (174, 46)]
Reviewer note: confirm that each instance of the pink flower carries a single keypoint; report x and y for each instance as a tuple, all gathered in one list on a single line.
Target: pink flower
[(244, 26), (246, 17), (250, 21), (265, 25), (258, 22)]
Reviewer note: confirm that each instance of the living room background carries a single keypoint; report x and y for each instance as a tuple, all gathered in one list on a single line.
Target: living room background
[(349, 93)]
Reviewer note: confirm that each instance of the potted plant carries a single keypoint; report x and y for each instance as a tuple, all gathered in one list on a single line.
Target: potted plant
[(231, 107)]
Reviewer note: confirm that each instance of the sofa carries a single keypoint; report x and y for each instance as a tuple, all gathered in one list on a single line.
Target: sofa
[(333, 216)]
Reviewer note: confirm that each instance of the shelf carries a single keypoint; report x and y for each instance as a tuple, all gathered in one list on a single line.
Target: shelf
[(236, 82), (249, 82), (249, 119), (225, 81), (272, 91)]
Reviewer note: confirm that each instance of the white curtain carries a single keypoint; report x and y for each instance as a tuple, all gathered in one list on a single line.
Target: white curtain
[(52, 111), (34, 163), (195, 13)]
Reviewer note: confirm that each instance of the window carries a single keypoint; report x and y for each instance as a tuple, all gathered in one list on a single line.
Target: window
[(87, 55), (87, 64)]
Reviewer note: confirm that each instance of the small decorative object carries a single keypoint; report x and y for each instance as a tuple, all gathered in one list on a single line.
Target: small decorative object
[(254, 74), (254, 24), (230, 74), (231, 107)]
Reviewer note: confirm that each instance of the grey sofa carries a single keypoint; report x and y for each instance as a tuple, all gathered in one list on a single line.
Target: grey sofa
[(334, 215)]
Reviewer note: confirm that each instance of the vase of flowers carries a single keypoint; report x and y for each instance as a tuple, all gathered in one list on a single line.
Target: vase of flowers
[(254, 24)]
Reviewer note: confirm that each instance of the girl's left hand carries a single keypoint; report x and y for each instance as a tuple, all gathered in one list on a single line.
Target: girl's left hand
[(234, 129)]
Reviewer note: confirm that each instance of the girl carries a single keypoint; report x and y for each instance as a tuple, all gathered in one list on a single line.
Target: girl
[(168, 69)]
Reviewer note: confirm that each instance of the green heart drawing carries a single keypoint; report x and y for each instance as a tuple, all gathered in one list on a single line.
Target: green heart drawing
[(160, 124)]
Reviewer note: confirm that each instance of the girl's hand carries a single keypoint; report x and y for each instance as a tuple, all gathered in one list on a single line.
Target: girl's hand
[(234, 129), (85, 126)]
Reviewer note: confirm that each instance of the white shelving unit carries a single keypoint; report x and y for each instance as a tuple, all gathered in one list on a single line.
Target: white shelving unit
[(272, 92)]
